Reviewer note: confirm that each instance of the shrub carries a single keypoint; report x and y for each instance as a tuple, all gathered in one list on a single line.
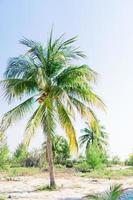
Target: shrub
[(20, 155), (60, 150), (129, 161), (4, 152), (4, 156), (34, 159), (96, 156), (115, 160), (69, 163), (82, 167)]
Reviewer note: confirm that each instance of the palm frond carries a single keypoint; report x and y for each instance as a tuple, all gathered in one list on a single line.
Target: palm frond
[(86, 139), (36, 50), (49, 117), (68, 75), (114, 193), (96, 100), (20, 67), (50, 40), (85, 94), (41, 78), (73, 53), (17, 88), (85, 111), (70, 41), (16, 113), (32, 125), (27, 42), (57, 42), (66, 124)]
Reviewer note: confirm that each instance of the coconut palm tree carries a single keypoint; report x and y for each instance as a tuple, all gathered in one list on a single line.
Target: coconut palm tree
[(114, 193), (93, 134), (53, 88)]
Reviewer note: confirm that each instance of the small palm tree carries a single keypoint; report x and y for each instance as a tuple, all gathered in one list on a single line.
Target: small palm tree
[(93, 134), (114, 193), (53, 86)]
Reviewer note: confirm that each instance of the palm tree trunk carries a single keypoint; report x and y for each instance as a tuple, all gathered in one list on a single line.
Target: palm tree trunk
[(50, 162)]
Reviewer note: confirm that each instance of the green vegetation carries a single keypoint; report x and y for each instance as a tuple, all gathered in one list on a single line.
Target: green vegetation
[(4, 152), (79, 169), (115, 160), (96, 157), (21, 171), (3, 198), (93, 133), (82, 167), (108, 173), (95, 141), (114, 193), (60, 148), (54, 87), (20, 155), (129, 161), (46, 188), (4, 156)]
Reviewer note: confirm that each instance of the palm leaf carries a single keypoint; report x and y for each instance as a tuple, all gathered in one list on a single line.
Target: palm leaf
[(21, 67), (80, 72), (16, 113), (85, 111), (49, 117), (66, 123), (32, 125), (36, 50), (17, 88), (114, 193)]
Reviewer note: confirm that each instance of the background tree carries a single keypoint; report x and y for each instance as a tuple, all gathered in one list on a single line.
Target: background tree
[(60, 149), (93, 134), (4, 151), (20, 155), (53, 86), (95, 156)]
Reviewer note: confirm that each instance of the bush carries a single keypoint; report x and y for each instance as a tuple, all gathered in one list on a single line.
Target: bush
[(69, 163), (4, 151), (20, 155), (129, 161), (4, 156), (96, 157), (34, 159), (82, 167), (60, 150), (115, 160)]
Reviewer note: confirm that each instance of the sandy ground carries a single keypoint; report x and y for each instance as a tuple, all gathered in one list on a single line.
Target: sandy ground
[(71, 187)]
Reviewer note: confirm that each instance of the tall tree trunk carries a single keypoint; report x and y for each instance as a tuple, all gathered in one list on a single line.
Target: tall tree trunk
[(50, 161)]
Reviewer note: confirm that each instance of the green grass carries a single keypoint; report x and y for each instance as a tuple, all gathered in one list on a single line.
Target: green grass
[(45, 188), (20, 171), (3, 198), (107, 173), (103, 173)]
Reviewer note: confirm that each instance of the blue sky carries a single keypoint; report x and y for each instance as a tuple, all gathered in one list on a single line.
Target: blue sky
[(105, 31)]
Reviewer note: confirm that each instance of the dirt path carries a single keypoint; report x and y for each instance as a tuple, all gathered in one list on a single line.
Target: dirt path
[(71, 188)]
